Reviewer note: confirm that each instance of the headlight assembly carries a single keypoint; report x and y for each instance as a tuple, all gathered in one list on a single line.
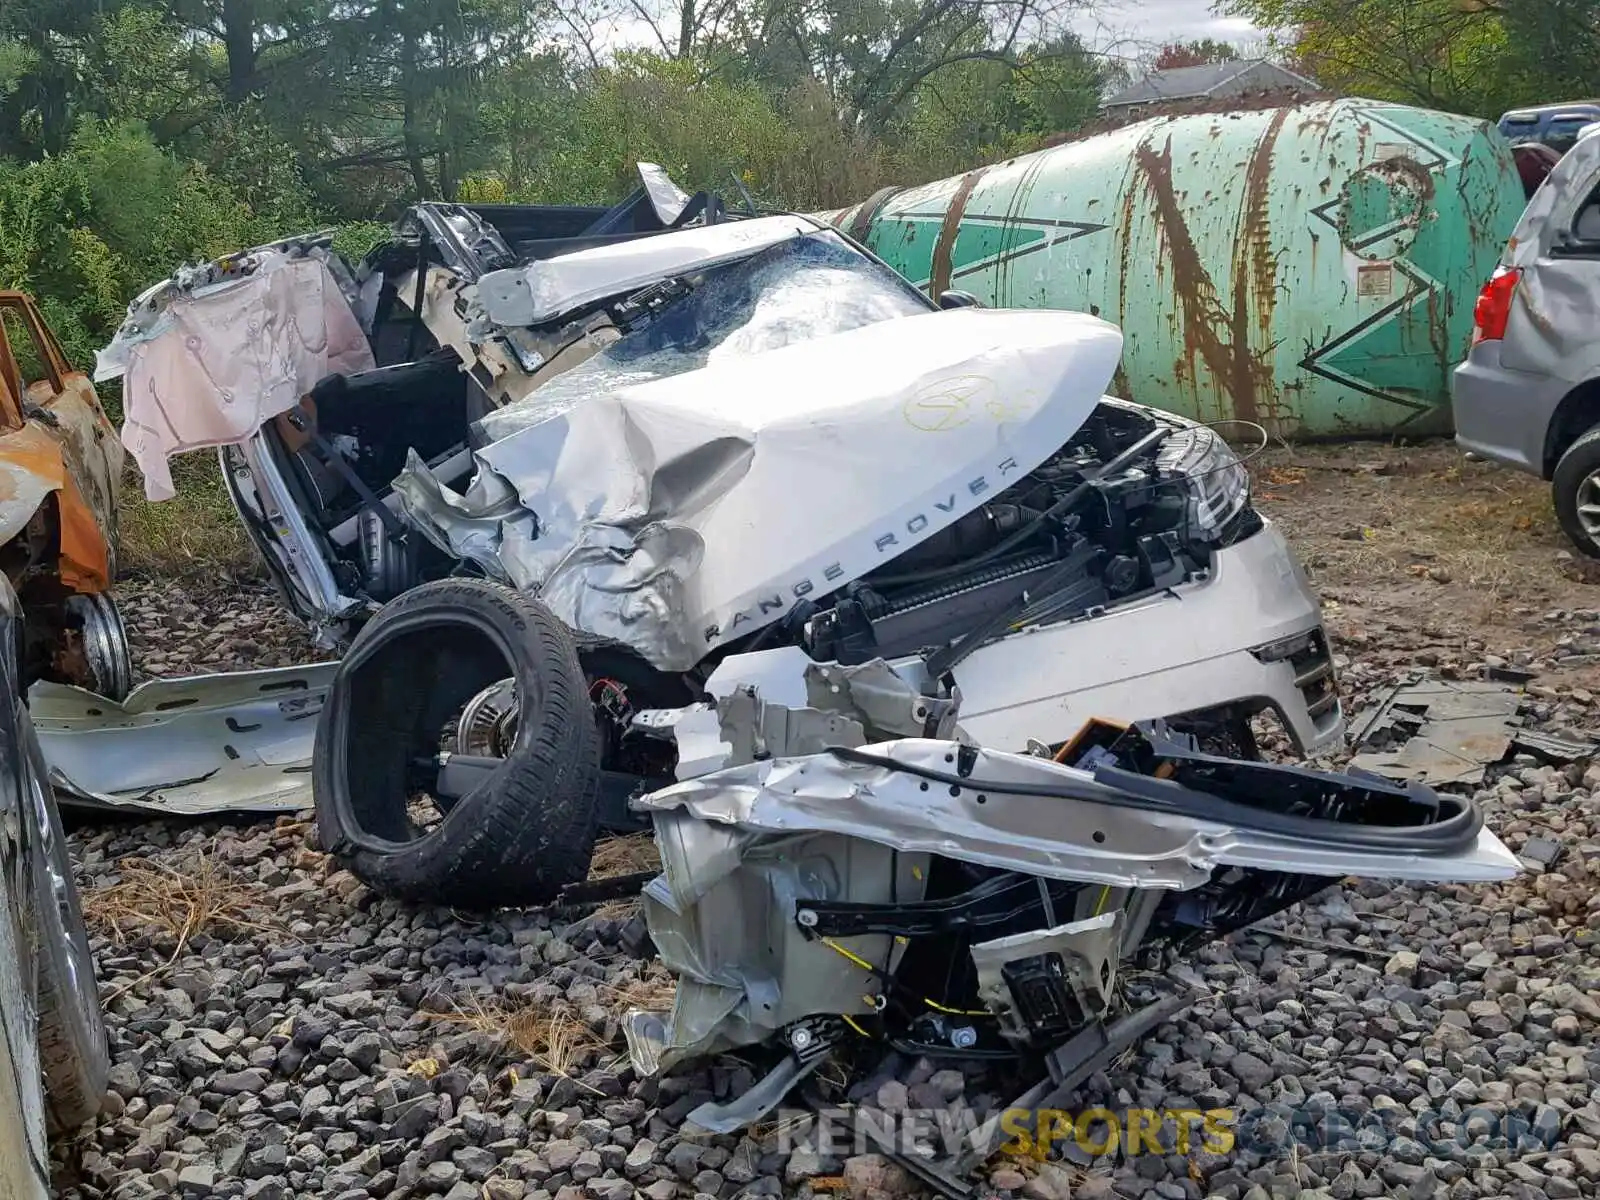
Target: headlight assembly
[(1218, 484)]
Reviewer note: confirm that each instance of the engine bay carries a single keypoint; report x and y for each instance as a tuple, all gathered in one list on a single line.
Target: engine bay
[(1109, 518)]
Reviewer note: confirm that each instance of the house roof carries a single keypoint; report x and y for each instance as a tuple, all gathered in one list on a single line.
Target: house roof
[(1190, 83)]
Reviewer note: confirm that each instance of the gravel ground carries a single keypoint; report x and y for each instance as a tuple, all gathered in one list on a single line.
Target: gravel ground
[(279, 1031)]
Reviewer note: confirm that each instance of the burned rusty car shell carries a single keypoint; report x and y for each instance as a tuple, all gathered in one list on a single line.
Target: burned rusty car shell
[(60, 475), (56, 441), (60, 466)]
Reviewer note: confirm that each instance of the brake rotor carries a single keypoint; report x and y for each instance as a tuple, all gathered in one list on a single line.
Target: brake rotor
[(488, 724)]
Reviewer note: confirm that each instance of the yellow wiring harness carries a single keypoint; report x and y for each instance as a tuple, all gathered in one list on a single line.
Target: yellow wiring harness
[(1099, 907), (866, 966)]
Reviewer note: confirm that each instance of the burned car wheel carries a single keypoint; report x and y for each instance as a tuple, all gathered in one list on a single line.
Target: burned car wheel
[(1575, 488), (508, 828)]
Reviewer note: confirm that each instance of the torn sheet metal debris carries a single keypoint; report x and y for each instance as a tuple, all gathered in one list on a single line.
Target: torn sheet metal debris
[(1541, 853), (1439, 732), (1549, 748), (238, 742)]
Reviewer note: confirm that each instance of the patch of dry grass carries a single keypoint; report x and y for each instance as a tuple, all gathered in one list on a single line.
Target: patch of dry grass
[(624, 855), (154, 899), (652, 992), (1407, 517), (196, 534), (1470, 539), (153, 903), (554, 1036)]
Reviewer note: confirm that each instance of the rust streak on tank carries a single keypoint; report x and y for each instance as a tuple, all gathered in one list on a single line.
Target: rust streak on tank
[(1126, 242), (1255, 279), (1205, 322), (944, 248)]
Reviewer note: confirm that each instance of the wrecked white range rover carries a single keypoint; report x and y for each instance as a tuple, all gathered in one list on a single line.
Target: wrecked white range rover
[(693, 438), (720, 524)]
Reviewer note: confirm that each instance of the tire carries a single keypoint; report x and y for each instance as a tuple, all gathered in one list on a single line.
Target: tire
[(72, 1032), (517, 838), (1576, 484)]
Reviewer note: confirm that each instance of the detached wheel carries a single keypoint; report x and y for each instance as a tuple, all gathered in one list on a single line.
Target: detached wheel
[(1575, 488), (389, 788), (72, 1032)]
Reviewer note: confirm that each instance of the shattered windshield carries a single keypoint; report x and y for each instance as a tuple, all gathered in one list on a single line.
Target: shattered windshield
[(808, 287)]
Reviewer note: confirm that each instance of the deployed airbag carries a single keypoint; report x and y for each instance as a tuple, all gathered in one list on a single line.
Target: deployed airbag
[(221, 360)]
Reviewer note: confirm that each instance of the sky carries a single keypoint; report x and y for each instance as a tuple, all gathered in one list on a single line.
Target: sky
[(1130, 29), (1135, 23)]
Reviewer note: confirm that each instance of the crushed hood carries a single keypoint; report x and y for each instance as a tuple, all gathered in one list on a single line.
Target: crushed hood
[(679, 513)]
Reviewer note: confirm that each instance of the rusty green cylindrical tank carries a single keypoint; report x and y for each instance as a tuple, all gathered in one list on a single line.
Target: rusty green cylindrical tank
[(1312, 268)]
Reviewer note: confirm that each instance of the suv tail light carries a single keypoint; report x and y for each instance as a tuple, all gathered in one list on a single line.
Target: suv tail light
[(1493, 309)]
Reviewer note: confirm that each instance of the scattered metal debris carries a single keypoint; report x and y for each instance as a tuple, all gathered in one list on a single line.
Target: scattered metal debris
[(1448, 733), (1544, 852), (1551, 749), (1439, 732), (237, 742)]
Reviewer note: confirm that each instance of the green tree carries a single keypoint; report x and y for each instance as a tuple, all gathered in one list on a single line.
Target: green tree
[(1457, 55), (86, 229), (981, 110), (1554, 47)]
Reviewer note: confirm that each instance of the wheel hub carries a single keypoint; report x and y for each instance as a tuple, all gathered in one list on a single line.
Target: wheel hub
[(105, 643), (488, 724), (1589, 505)]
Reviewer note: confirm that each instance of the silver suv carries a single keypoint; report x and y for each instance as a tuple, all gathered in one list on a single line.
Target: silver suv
[(1528, 394)]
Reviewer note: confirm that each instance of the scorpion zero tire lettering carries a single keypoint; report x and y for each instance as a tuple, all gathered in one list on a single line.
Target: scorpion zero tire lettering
[(525, 832)]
